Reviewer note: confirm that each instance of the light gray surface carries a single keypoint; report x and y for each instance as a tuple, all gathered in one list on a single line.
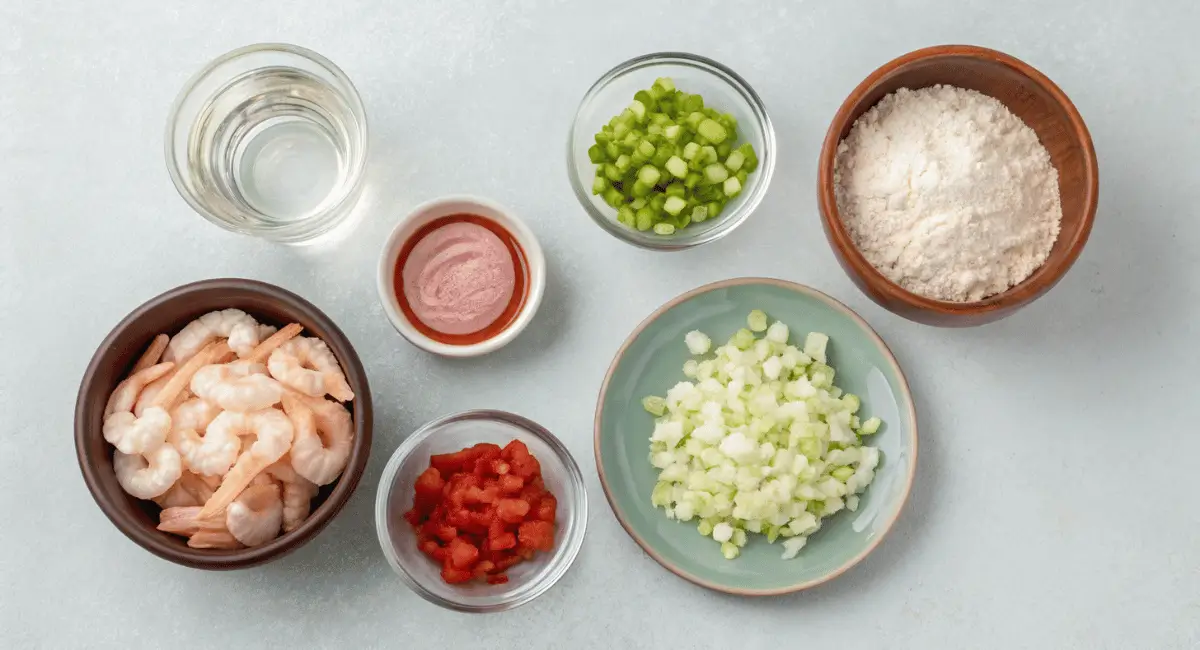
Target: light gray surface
[(1054, 499)]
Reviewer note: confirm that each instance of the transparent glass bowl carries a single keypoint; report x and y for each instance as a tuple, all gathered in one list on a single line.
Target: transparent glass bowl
[(722, 89), (269, 140), (527, 580)]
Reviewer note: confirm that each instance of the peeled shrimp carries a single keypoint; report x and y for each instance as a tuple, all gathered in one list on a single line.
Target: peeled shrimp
[(187, 521), (151, 391), (149, 475), (125, 396), (238, 386), (189, 490), (298, 493), (153, 353), (307, 365), (273, 431), (255, 517), (134, 435), (324, 434), (234, 324), (217, 539)]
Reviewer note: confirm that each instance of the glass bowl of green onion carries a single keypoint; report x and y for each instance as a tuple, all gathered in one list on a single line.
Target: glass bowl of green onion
[(670, 150)]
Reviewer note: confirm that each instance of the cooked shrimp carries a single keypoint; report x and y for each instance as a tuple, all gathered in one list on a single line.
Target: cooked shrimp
[(263, 352), (307, 365), (187, 521), (210, 454), (254, 518), (151, 391), (218, 539), (194, 413), (124, 397), (240, 386), (147, 476), (324, 434), (134, 435), (298, 493), (189, 490), (153, 353), (210, 327), (266, 331), (273, 431)]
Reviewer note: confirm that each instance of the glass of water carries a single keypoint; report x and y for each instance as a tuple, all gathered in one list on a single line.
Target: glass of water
[(269, 140)]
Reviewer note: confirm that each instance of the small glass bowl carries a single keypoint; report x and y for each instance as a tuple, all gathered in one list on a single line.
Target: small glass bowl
[(722, 89), (527, 580)]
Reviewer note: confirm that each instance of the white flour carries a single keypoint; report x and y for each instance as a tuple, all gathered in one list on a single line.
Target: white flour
[(948, 193)]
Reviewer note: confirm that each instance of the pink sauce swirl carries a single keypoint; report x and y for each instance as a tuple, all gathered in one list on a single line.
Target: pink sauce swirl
[(459, 278)]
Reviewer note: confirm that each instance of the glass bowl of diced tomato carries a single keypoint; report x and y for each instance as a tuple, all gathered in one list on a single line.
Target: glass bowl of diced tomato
[(481, 511)]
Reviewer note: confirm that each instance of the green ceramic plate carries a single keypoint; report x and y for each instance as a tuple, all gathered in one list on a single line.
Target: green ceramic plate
[(650, 362)]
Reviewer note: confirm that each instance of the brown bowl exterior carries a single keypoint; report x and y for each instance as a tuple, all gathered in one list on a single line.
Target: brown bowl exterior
[(168, 313), (1029, 95)]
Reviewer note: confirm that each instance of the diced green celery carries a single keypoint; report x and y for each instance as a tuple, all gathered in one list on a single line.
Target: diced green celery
[(641, 189), (734, 161), (732, 186), (664, 229), (676, 189), (693, 103), (682, 219), (596, 153), (673, 132), (645, 218), (724, 149), (699, 214), (728, 120), (649, 175), (638, 203), (599, 184), (629, 142), (692, 180), (689, 151), (645, 148), (842, 473), (657, 200), (870, 426), (613, 197), (604, 136), (743, 339), (620, 130), (662, 154), (741, 175), (611, 150), (677, 167), (645, 98), (714, 208), (638, 109), (709, 153), (622, 162), (751, 158), (625, 216), (712, 131), (757, 320), (661, 119), (715, 173), (673, 206), (851, 402), (665, 84), (667, 105), (611, 172), (654, 129)]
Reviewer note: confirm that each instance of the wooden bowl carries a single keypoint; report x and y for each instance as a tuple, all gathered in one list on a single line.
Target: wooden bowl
[(168, 313), (1033, 98)]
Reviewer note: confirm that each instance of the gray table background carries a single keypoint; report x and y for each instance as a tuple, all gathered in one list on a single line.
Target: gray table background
[(1054, 502)]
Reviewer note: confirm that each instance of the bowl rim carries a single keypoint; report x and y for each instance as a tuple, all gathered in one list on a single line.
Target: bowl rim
[(741, 87), (385, 285), (153, 541), (902, 388), (287, 233), (1041, 280), (566, 553)]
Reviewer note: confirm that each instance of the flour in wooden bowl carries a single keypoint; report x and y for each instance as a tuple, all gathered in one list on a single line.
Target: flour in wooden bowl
[(947, 193)]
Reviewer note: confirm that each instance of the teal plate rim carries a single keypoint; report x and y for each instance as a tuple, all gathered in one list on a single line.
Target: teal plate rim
[(835, 304)]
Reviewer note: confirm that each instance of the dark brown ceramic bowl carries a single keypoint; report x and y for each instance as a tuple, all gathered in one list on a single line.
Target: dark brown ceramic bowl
[(1029, 95), (168, 313)]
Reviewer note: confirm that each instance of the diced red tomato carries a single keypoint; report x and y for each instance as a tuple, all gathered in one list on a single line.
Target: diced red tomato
[(481, 510)]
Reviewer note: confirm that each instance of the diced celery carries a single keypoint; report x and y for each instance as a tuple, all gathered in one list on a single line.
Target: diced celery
[(611, 150), (715, 173), (751, 159), (692, 103), (714, 208), (757, 320), (645, 148), (664, 229), (673, 206), (599, 184), (732, 186), (645, 218), (709, 153), (842, 473), (676, 189), (694, 119), (692, 180), (622, 162), (638, 109), (641, 189), (654, 129), (870, 426), (677, 167), (638, 203), (735, 160), (712, 131), (620, 130), (613, 197), (612, 173), (724, 149), (625, 216), (649, 175), (657, 200), (690, 150), (665, 84), (673, 132), (596, 153), (645, 98), (662, 154), (699, 214)]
